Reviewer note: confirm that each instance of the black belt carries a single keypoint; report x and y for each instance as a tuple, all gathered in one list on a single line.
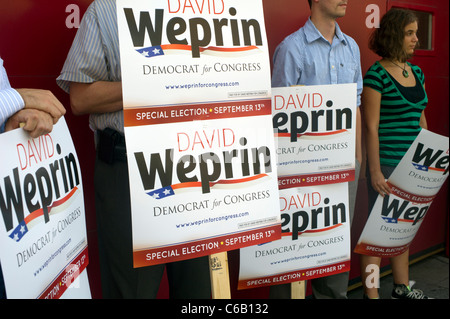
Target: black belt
[(111, 146)]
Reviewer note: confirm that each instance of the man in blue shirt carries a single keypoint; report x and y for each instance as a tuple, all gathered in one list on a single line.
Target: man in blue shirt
[(319, 54)]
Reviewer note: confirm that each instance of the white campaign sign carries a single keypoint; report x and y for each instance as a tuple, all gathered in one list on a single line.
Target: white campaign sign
[(43, 232), (178, 52), (315, 128), (396, 218), (315, 242)]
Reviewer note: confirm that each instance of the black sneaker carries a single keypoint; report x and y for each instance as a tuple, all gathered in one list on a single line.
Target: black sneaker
[(403, 292)]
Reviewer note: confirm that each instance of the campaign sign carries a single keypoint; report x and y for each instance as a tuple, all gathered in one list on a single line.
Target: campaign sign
[(415, 182), (43, 233), (197, 110), (179, 52), (315, 239), (315, 129)]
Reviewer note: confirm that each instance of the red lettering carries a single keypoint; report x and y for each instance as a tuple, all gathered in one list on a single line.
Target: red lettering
[(204, 139)]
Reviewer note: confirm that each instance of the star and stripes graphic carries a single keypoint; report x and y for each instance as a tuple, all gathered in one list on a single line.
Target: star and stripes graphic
[(180, 188), (390, 220), (425, 168), (167, 49), (313, 135), (151, 52), (37, 216)]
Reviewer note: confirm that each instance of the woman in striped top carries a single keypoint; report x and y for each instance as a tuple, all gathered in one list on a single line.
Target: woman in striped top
[(393, 100)]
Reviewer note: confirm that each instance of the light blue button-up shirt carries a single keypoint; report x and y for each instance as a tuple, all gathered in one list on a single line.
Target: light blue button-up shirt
[(10, 100), (306, 58)]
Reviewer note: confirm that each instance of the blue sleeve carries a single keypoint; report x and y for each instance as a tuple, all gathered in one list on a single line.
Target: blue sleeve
[(359, 80), (10, 102), (286, 66)]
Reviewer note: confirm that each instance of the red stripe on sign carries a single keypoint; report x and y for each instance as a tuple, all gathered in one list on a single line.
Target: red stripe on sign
[(312, 231), (186, 47), (312, 134), (285, 182), (185, 113), (63, 281), (293, 276), (380, 251), (418, 199), (204, 247), (39, 212)]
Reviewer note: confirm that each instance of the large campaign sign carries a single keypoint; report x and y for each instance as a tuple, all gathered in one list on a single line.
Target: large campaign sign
[(43, 232), (200, 147), (415, 182), (315, 129)]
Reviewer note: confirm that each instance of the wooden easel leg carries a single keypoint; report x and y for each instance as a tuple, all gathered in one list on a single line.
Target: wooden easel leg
[(220, 278), (298, 290)]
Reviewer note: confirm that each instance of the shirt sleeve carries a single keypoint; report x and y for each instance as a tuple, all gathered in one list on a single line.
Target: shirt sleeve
[(359, 78), (373, 79), (10, 100), (10, 103), (286, 69), (85, 61), (419, 73)]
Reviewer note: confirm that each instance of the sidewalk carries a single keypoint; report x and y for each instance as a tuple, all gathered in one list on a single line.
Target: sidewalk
[(430, 275)]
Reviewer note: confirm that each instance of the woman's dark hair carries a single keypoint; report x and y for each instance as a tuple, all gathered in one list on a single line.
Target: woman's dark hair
[(387, 40)]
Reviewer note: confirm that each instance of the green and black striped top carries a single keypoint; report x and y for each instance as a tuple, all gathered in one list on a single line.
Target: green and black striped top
[(400, 111)]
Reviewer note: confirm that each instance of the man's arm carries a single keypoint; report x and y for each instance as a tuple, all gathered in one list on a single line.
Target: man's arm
[(96, 97), (42, 100), (37, 110), (358, 135)]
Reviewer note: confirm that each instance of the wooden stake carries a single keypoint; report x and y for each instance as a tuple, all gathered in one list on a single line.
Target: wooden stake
[(220, 278), (298, 290)]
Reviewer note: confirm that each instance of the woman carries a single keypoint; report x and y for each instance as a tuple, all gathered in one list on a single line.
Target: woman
[(393, 100)]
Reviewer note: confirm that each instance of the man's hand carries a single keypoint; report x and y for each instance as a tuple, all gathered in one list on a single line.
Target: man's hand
[(43, 100), (35, 122)]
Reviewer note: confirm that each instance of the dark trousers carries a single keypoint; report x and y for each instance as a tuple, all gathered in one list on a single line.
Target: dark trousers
[(187, 279)]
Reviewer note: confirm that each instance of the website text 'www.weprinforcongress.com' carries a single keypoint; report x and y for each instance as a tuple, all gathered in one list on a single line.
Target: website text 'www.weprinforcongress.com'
[(199, 85), (212, 220)]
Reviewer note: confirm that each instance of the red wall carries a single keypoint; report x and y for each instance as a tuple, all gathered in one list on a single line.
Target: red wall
[(35, 39)]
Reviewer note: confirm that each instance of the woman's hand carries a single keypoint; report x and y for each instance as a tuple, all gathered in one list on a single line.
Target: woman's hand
[(379, 184)]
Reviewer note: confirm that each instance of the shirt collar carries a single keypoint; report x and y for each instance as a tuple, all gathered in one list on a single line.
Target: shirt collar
[(312, 34)]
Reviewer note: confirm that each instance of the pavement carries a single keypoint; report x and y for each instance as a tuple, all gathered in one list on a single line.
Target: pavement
[(431, 275)]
